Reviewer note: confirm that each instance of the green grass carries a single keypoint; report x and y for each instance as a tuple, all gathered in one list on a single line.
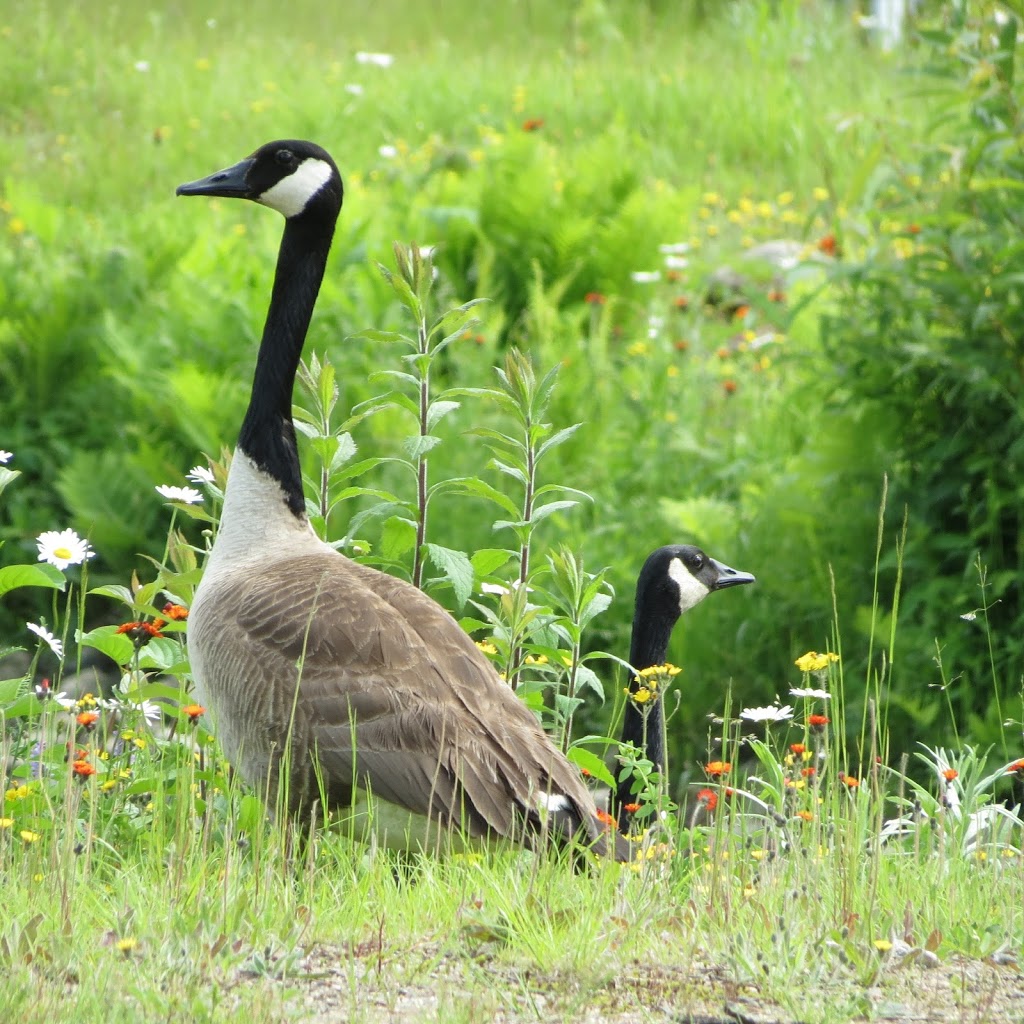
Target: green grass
[(127, 332)]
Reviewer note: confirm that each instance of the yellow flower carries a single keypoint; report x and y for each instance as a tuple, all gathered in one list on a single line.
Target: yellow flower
[(203, 64), (765, 209), (735, 217), (882, 945), (16, 226), (820, 194), (712, 230), (643, 695), (108, 785), (30, 837), (487, 647), (812, 661), (126, 945), (784, 198), (711, 199), (638, 348), (6, 822), (541, 659), (757, 854)]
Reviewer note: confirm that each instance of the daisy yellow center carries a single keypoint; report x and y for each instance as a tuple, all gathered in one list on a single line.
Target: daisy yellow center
[(62, 552)]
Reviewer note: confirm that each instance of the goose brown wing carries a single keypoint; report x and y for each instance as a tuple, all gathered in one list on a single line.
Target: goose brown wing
[(397, 698)]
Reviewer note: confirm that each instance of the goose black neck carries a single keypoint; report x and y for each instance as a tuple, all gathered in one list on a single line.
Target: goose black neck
[(652, 630), (267, 435)]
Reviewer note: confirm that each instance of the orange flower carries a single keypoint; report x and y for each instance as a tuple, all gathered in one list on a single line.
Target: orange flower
[(533, 124), (722, 353), (141, 633), (797, 748), (595, 299), (707, 797), (87, 719), (194, 711), (817, 721), (774, 295), (850, 780), (1017, 767), (682, 345), (175, 612), (828, 245), (913, 229), (682, 302), (718, 768), (631, 808), (606, 819), (729, 386), (806, 815), (740, 312), (82, 769), (950, 774), (808, 772)]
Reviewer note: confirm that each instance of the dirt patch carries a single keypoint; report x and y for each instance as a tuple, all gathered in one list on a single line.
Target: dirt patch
[(335, 985)]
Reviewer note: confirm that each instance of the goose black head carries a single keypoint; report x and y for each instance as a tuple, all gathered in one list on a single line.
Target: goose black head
[(680, 576), (290, 176)]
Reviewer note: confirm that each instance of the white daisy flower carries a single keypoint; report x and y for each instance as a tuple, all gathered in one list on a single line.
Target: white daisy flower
[(354, 89), (200, 475), (381, 60), (674, 248), (188, 495), (676, 262), (5, 457), (44, 634), (388, 152), (646, 276), (800, 691), (63, 548), (142, 66), (769, 714)]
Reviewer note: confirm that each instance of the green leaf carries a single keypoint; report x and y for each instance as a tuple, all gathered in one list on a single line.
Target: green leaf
[(10, 690), (43, 575), (456, 566), (557, 438), (488, 560), (107, 640), (589, 761), (419, 444), (116, 591), (7, 476), (397, 537), (552, 506), (438, 410), (473, 485)]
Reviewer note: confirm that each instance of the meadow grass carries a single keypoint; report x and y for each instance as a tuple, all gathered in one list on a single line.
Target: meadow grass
[(167, 894)]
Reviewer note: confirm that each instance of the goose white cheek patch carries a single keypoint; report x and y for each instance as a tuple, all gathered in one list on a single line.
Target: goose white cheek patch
[(691, 590), (290, 195)]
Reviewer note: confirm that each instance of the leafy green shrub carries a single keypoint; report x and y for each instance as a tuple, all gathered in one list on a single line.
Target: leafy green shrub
[(926, 342)]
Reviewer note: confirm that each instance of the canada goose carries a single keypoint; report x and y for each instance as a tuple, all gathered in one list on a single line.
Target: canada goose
[(351, 680), (671, 582)]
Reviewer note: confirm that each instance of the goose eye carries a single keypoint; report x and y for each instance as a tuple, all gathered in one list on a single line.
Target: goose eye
[(284, 156)]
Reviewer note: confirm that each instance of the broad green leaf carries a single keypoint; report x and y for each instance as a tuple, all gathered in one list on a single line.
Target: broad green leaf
[(7, 476), (397, 537), (587, 761), (557, 438), (107, 640), (488, 560), (418, 445), (438, 410), (475, 486), (11, 689), (116, 591), (543, 511), (456, 566), (42, 575)]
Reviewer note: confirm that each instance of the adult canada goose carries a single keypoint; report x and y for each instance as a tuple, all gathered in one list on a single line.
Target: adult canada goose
[(671, 582), (344, 679)]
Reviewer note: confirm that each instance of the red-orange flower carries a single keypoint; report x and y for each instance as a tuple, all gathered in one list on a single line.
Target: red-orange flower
[(729, 386), (913, 229), (828, 245), (82, 769), (595, 299), (718, 768), (175, 612), (797, 748), (740, 312), (850, 780), (606, 819), (950, 774), (774, 295), (707, 797), (194, 711), (806, 815), (87, 719), (808, 771), (141, 633), (533, 124), (681, 302), (682, 345), (818, 721), (631, 808), (1017, 767)]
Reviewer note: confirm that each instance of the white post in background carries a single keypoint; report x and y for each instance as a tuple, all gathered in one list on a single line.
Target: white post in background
[(888, 17)]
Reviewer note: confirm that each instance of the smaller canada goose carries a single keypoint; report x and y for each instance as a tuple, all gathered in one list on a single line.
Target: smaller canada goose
[(342, 678), (671, 582)]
